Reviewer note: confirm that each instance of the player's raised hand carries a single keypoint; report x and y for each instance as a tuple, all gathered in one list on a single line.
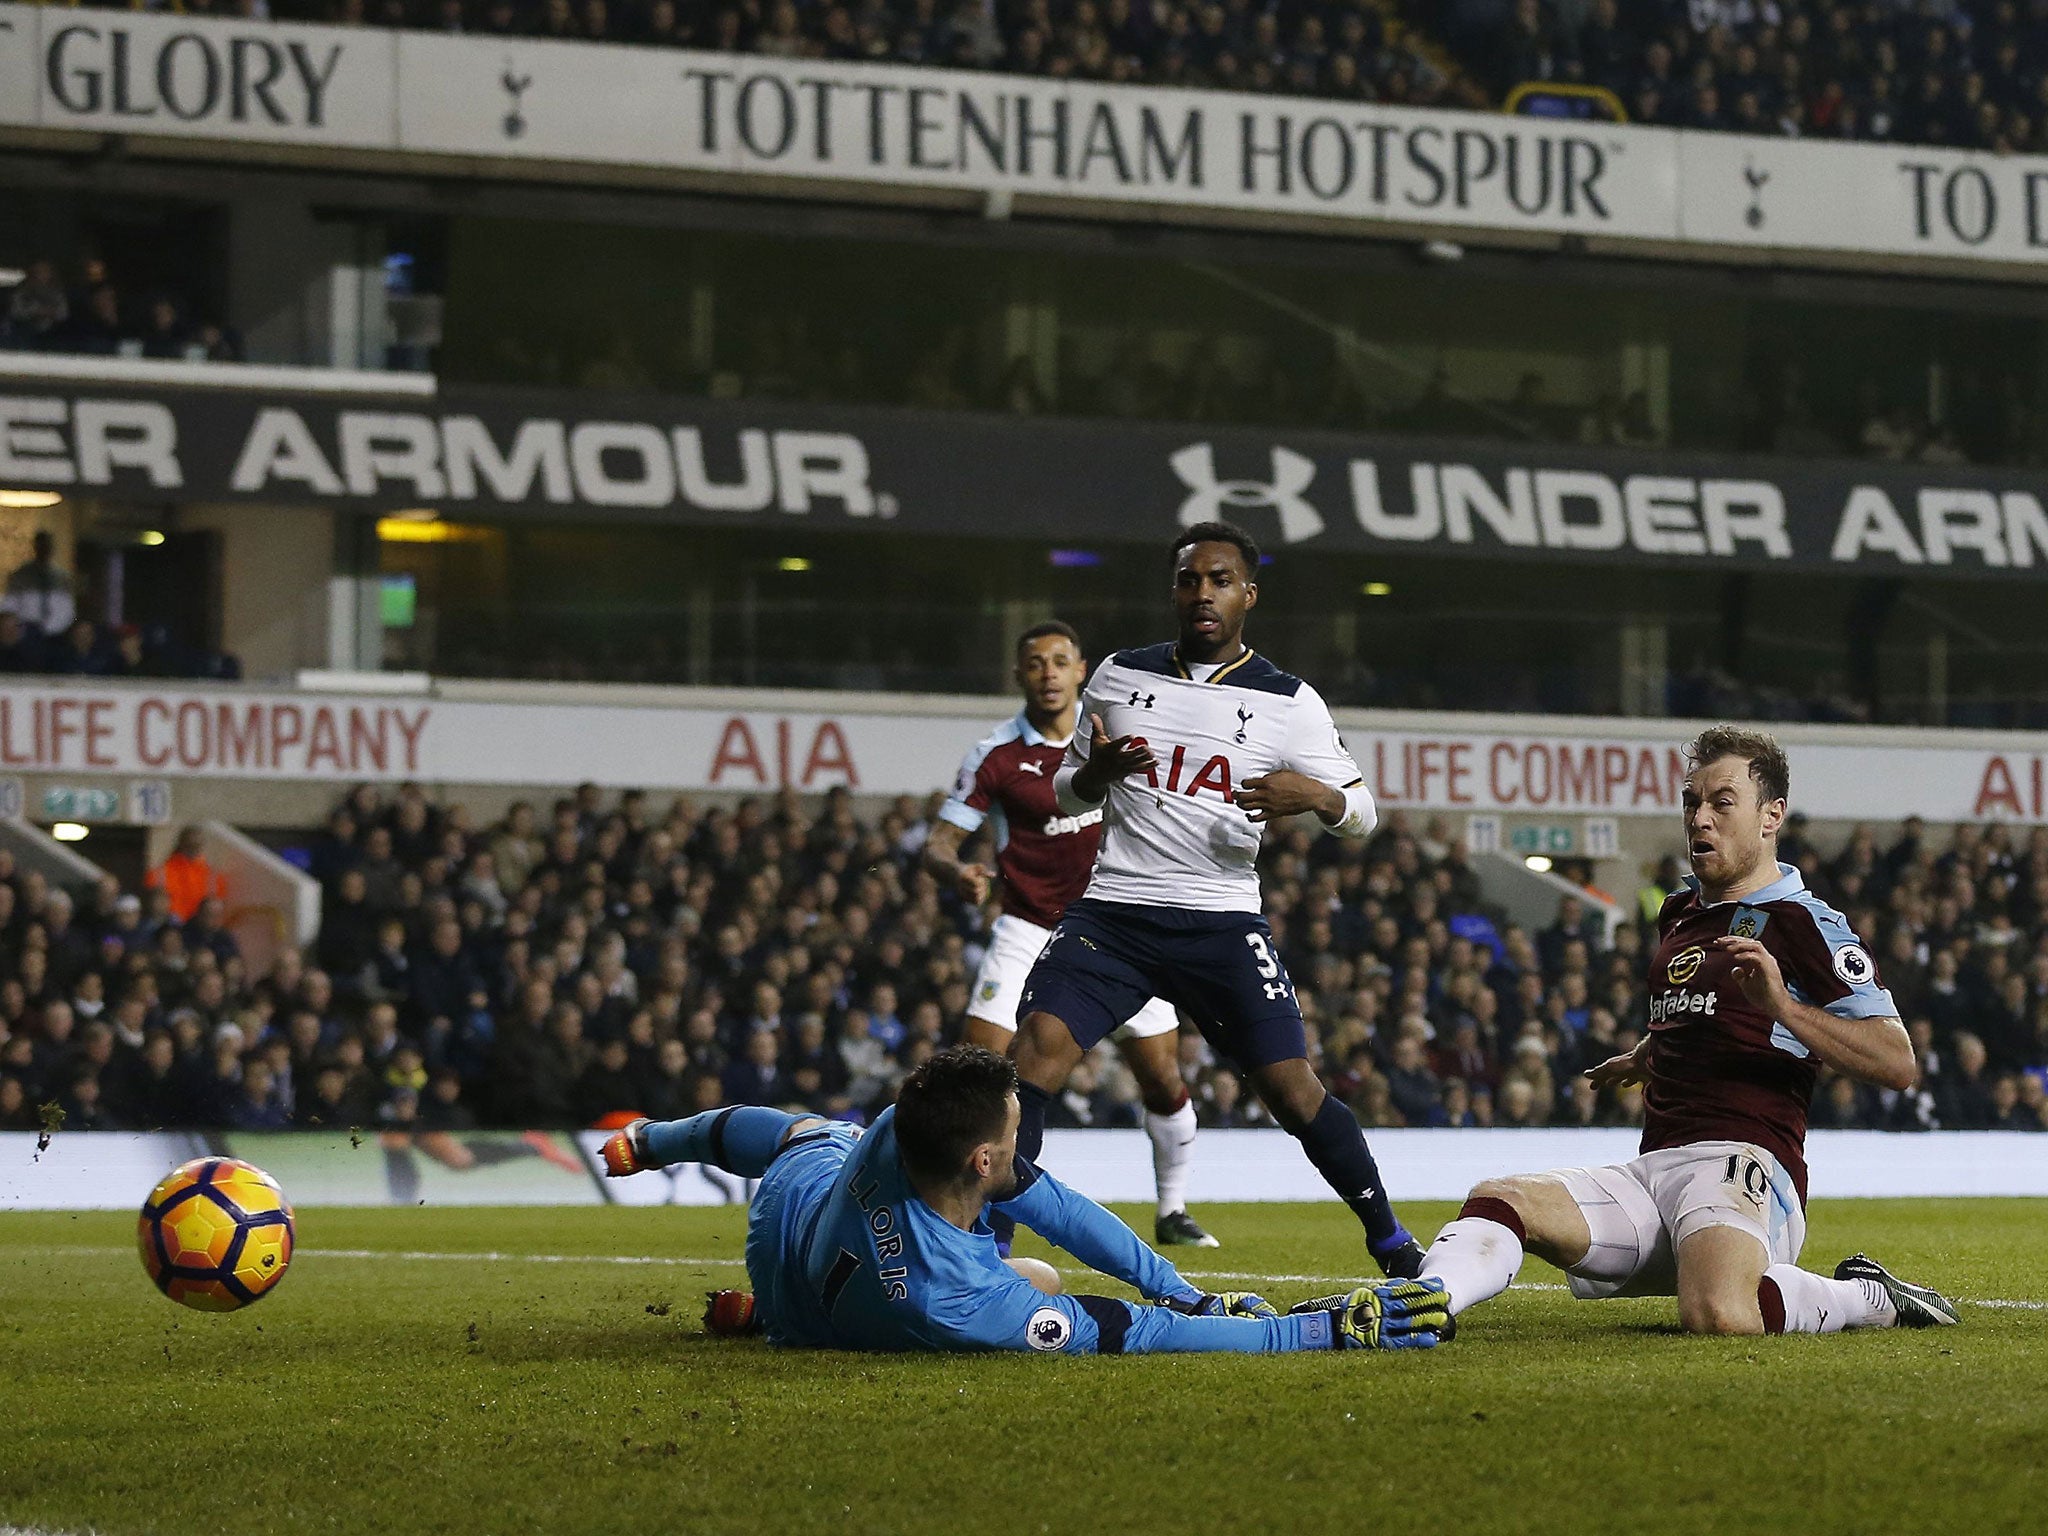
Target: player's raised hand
[(972, 882), (1283, 792), (1111, 758), (1616, 1071), (1756, 971)]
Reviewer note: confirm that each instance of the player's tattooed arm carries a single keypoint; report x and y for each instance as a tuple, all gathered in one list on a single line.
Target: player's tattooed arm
[(1871, 1050), (1109, 760), (942, 858)]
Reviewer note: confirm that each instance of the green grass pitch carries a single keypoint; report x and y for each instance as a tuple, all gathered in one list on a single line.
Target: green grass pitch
[(378, 1390)]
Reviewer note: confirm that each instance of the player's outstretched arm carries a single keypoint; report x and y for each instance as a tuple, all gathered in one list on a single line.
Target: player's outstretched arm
[(1011, 1314), (1095, 1236)]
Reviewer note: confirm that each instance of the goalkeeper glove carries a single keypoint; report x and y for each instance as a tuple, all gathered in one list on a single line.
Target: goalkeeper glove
[(1397, 1314), (1222, 1304)]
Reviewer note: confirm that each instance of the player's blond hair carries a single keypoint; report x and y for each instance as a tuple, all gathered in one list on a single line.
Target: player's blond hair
[(1760, 749)]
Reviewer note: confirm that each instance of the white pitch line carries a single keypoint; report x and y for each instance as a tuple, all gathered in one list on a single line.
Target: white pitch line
[(527, 1258), (668, 1262)]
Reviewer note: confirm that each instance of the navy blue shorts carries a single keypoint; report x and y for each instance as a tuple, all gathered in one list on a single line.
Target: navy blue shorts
[(1106, 958)]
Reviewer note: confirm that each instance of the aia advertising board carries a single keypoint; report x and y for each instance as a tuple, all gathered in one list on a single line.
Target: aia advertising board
[(896, 744)]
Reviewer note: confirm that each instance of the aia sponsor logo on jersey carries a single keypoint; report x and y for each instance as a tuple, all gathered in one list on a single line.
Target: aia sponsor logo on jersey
[(1214, 775), (1685, 965)]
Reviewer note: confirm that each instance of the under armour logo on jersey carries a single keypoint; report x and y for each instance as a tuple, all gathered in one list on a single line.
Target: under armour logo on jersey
[(1036, 770), (1142, 698), (1275, 990), (1244, 718), (1211, 498)]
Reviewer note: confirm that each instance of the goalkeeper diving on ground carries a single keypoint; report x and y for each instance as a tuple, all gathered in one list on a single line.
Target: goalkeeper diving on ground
[(880, 1240)]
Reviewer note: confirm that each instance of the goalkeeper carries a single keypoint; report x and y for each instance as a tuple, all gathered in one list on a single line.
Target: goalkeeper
[(881, 1241)]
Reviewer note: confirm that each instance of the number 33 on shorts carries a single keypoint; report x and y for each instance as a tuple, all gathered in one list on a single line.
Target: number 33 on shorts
[(1272, 978)]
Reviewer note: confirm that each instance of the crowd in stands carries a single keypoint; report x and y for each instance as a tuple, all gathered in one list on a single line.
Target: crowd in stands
[(42, 631), (1964, 73), (1970, 74), (93, 316), (555, 969)]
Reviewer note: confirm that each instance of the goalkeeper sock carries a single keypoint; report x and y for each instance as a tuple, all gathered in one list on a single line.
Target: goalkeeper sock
[(1795, 1300), (1032, 1103), (1477, 1255), (1173, 1153), (741, 1140), (1336, 1146)]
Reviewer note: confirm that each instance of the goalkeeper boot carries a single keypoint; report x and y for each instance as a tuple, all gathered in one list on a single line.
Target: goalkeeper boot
[(625, 1151), (1917, 1306), (1177, 1229)]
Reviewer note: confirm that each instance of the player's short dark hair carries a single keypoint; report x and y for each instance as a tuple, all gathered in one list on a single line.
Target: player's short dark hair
[(1760, 749), (1050, 627), (1221, 533), (948, 1106)]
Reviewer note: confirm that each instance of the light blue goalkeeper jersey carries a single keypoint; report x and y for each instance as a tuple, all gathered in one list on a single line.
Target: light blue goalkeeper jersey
[(844, 1255)]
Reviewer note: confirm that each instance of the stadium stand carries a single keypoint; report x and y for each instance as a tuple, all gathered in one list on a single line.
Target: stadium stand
[(551, 971), (1964, 73), (96, 315)]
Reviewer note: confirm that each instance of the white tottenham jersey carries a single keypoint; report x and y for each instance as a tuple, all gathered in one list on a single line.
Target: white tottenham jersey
[(1176, 837)]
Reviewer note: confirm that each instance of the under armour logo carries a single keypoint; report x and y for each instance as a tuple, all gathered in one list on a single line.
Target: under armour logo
[(1244, 718), (1292, 472), (1753, 216), (1142, 698), (1275, 990), (1036, 770)]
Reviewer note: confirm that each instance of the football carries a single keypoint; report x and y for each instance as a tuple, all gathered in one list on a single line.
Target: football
[(216, 1234)]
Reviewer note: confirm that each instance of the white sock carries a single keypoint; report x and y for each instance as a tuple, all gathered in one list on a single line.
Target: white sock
[(1816, 1304), (1476, 1259), (1173, 1153)]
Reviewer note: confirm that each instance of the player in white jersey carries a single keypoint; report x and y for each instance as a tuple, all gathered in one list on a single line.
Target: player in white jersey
[(1043, 858), (1191, 749)]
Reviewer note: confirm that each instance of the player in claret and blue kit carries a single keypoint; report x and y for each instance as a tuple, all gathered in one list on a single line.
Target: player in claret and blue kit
[(880, 1241), (1191, 748), (1755, 985)]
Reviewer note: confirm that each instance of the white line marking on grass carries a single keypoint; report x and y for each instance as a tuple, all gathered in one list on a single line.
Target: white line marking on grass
[(523, 1258), (672, 1262)]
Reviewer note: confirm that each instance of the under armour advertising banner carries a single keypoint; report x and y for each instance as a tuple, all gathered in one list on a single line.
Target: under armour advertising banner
[(483, 454)]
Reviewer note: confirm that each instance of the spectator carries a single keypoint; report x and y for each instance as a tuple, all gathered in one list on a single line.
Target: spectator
[(756, 1078), (186, 878), (39, 592), (37, 308)]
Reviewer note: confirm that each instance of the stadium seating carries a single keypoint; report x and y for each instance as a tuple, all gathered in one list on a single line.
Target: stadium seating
[(550, 971), (1968, 73)]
